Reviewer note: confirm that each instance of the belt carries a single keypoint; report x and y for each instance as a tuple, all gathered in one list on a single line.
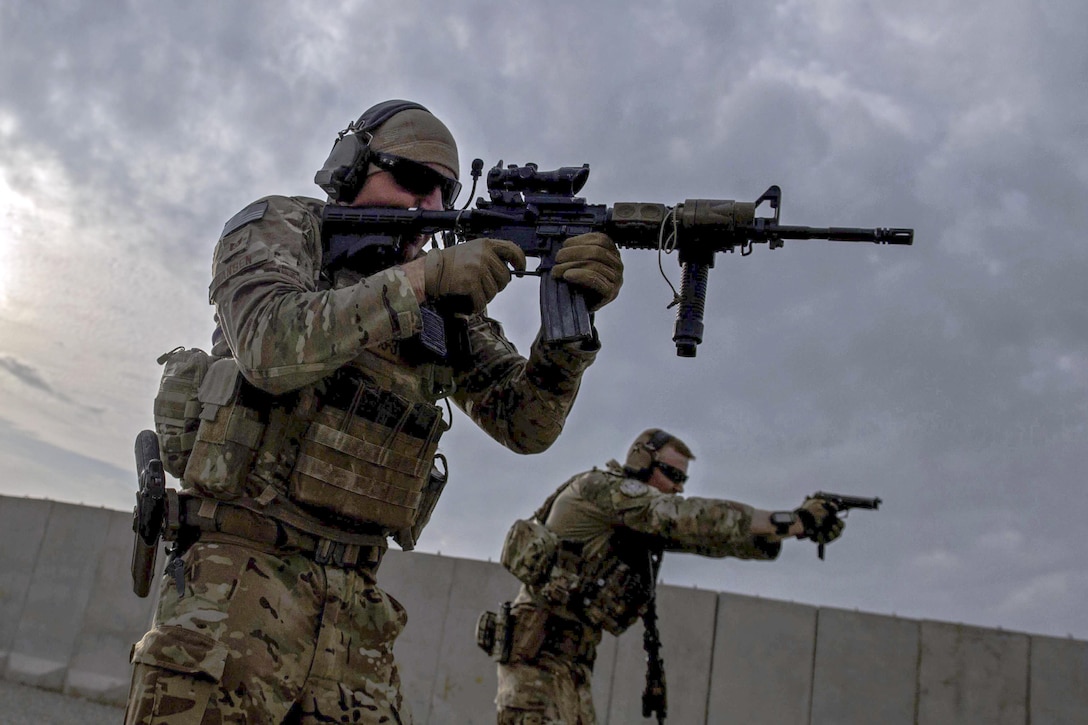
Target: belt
[(208, 519)]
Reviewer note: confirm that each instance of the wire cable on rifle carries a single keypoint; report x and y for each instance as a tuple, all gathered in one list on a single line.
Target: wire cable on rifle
[(666, 245)]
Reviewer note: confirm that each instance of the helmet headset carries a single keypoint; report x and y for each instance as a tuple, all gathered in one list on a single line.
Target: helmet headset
[(643, 453), (345, 170)]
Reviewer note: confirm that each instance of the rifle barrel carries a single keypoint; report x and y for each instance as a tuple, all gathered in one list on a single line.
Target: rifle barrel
[(878, 235)]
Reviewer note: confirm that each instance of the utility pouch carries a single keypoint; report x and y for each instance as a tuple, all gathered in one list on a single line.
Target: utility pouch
[(432, 491), (177, 410), (529, 627), (529, 551), (232, 424), (495, 633), (367, 458), (615, 599)]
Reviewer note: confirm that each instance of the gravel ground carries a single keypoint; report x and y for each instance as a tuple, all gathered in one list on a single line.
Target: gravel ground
[(25, 705)]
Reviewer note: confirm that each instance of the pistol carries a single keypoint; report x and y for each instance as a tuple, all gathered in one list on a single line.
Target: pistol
[(841, 502)]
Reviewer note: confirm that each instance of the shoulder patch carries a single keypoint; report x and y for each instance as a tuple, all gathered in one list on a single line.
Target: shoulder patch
[(631, 487), (253, 212)]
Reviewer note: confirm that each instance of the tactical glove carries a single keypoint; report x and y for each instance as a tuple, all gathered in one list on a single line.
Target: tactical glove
[(821, 523), (468, 276), (591, 262)]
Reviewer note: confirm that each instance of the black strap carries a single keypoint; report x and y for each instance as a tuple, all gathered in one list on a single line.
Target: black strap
[(545, 509), (378, 114), (654, 699)]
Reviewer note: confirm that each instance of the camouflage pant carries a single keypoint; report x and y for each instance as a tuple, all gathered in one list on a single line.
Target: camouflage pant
[(267, 638), (550, 691)]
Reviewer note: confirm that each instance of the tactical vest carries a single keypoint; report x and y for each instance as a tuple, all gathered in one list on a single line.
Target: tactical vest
[(345, 455), (352, 458), (609, 592), (614, 590)]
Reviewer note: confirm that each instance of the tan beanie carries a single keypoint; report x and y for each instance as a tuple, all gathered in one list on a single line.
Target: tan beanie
[(419, 136)]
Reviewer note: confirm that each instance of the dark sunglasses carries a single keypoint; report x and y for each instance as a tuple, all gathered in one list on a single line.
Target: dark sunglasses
[(672, 473), (417, 178)]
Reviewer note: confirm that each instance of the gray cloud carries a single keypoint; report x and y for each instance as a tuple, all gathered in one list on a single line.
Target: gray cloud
[(41, 469), (25, 374), (32, 378), (950, 378)]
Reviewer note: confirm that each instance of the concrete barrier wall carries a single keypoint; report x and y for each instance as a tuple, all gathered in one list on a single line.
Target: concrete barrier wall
[(68, 618)]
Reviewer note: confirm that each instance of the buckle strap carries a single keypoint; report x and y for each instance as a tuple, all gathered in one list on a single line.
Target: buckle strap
[(348, 556), (327, 551)]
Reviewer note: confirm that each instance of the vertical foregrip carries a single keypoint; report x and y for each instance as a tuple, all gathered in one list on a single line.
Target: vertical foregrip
[(688, 332)]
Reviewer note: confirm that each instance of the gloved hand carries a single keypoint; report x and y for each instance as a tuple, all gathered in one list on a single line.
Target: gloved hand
[(472, 272), (591, 262), (821, 523)]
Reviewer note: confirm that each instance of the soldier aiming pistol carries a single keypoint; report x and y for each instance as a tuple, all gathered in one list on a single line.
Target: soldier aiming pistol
[(588, 561)]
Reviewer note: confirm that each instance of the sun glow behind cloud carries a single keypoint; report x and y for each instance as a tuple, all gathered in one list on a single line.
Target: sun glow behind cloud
[(36, 218), (13, 208)]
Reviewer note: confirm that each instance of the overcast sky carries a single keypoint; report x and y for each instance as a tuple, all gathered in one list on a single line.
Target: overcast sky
[(948, 378)]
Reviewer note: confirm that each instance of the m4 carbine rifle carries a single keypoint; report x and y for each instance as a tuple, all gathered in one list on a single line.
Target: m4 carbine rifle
[(538, 210)]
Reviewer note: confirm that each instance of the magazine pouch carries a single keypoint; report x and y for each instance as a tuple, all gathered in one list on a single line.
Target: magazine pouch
[(367, 455), (177, 410), (233, 417)]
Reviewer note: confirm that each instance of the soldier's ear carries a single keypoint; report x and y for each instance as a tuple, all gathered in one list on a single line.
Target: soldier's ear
[(641, 456), (344, 171)]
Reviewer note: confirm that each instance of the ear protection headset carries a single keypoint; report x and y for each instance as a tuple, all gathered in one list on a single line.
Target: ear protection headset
[(344, 171), (641, 457)]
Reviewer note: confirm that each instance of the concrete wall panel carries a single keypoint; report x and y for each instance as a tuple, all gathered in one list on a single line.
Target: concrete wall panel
[(604, 670), (422, 583), (762, 666), (686, 619), (99, 667), (865, 669), (466, 679), (22, 528), (1059, 681), (56, 601), (67, 618), (971, 675)]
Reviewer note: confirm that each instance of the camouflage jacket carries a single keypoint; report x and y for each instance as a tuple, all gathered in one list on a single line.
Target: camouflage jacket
[(605, 514), (288, 326)]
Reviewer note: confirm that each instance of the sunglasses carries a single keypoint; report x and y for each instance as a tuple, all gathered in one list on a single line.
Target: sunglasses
[(417, 178), (672, 473)]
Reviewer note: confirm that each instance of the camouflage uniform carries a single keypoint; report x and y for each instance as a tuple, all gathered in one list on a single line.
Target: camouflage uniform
[(264, 632), (608, 521)]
